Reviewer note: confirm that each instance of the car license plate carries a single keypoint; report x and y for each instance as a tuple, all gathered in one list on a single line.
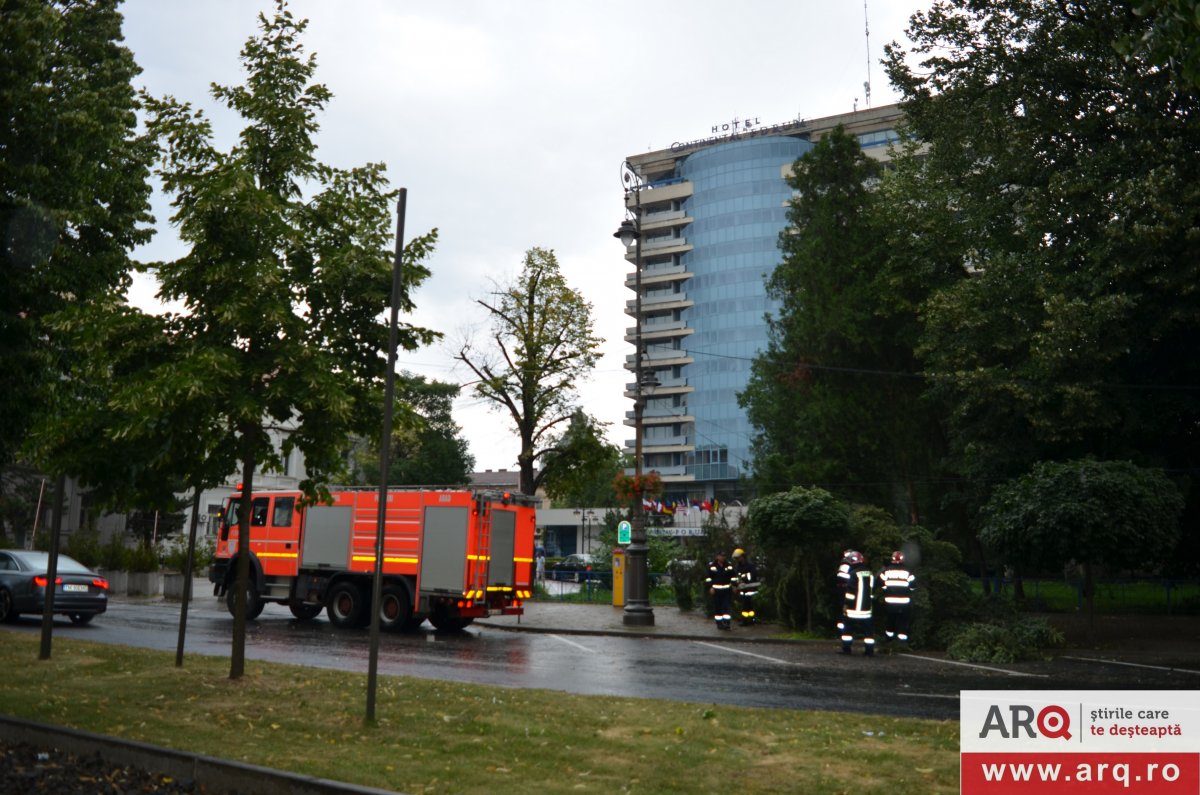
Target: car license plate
[(74, 587)]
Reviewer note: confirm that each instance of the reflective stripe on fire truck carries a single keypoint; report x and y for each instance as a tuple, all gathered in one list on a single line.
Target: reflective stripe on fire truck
[(386, 559), (279, 554), (479, 557)]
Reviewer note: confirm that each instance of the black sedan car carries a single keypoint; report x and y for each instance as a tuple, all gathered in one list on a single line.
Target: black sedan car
[(79, 593)]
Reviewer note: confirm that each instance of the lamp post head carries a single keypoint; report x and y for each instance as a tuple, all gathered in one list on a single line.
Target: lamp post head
[(627, 233)]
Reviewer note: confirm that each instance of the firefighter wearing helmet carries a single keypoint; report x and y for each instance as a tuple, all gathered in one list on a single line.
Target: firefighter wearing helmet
[(720, 582), (897, 583), (747, 586), (857, 585)]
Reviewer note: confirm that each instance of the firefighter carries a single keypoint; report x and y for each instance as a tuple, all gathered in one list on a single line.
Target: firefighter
[(720, 580), (856, 583), (897, 583), (746, 575)]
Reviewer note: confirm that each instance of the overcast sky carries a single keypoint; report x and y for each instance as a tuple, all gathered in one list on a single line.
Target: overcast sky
[(508, 120)]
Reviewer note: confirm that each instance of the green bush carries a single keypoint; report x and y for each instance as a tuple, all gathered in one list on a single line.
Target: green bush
[(112, 554), (142, 558), (686, 581), (175, 558), (1022, 639), (84, 546)]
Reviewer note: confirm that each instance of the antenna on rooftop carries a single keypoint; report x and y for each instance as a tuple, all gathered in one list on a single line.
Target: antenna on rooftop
[(867, 31)]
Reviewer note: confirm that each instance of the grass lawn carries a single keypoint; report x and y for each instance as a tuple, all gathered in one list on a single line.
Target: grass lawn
[(1111, 597), (444, 737)]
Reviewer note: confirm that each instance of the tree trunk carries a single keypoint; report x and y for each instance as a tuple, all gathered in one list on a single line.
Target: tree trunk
[(1089, 594), (983, 571), (237, 661), (188, 566)]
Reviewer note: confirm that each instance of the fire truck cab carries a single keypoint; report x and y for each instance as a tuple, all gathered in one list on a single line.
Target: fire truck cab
[(449, 555)]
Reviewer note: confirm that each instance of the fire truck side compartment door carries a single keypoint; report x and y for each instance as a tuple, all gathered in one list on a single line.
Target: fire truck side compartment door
[(504, 541), (444, 548), (327, 531)]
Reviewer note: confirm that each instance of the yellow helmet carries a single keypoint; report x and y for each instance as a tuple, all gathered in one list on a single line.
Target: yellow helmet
[(739, 552)]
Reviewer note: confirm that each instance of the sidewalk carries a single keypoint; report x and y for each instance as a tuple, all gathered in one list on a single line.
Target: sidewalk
[(574, 618)]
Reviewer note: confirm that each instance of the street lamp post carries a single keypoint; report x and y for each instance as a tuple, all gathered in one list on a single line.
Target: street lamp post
[(637, 594)]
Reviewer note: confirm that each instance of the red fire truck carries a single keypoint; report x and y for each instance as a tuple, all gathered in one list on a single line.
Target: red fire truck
[(449, 555)]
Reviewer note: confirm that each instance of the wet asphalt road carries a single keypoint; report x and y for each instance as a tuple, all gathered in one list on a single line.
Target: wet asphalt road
[(773, 675)]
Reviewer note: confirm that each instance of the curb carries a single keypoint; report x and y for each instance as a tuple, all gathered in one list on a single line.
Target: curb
[(217, 776), (621, 633)]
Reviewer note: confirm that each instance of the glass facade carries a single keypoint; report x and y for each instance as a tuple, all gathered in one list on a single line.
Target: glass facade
[(738, 208), (712, 211)]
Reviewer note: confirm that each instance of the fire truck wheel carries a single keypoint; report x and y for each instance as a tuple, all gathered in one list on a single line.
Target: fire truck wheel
[(395, 607), (305, 611), (254, 603), (347, 607)]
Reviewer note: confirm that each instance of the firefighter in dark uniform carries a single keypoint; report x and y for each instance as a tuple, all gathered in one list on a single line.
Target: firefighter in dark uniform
[(720, 581), (747, 586), (856, 583), (897, 583)]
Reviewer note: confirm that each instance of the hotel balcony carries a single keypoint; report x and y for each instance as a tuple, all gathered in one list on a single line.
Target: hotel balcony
[(659, 274), (664, 219), (659, 332), (659, 303)]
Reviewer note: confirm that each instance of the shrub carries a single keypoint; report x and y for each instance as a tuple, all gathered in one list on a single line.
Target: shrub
[(112, 554), (1023, 639), (84, 546), (686, 577), (174, 555), (142, 558)]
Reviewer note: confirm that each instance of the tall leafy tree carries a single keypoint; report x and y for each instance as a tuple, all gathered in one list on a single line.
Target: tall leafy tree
[(835, 398), (1092, 512), (287, 273), (541, 346), (427, 445), (1171, 38), (73, 189), (1074, 176), (581, 464), (800, 532)]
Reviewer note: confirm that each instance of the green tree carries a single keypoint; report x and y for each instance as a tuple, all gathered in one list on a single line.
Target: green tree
[(580, 464), (1170, 39), (427, 445), (800, 532), (541, 347), (836, 397), (287, 274), (1073, 175), (74, 189), (1093, 512)]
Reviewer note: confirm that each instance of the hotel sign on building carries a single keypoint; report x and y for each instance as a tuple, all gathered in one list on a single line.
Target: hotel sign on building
[(728, 131)]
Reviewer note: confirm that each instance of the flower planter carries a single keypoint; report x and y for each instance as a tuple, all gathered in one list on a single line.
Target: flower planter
[(145, 583), (172, 585), (118, 580)]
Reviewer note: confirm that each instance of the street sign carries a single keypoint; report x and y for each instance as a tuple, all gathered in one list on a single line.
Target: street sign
[(624, 533)]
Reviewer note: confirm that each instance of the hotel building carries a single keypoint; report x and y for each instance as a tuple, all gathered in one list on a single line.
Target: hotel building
[(711, 213)]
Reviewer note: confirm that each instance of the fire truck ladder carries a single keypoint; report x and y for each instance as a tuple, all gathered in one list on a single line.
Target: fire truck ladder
[(483, 552)]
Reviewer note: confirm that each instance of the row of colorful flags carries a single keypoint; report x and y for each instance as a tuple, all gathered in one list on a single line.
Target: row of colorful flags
[(680, 507)]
